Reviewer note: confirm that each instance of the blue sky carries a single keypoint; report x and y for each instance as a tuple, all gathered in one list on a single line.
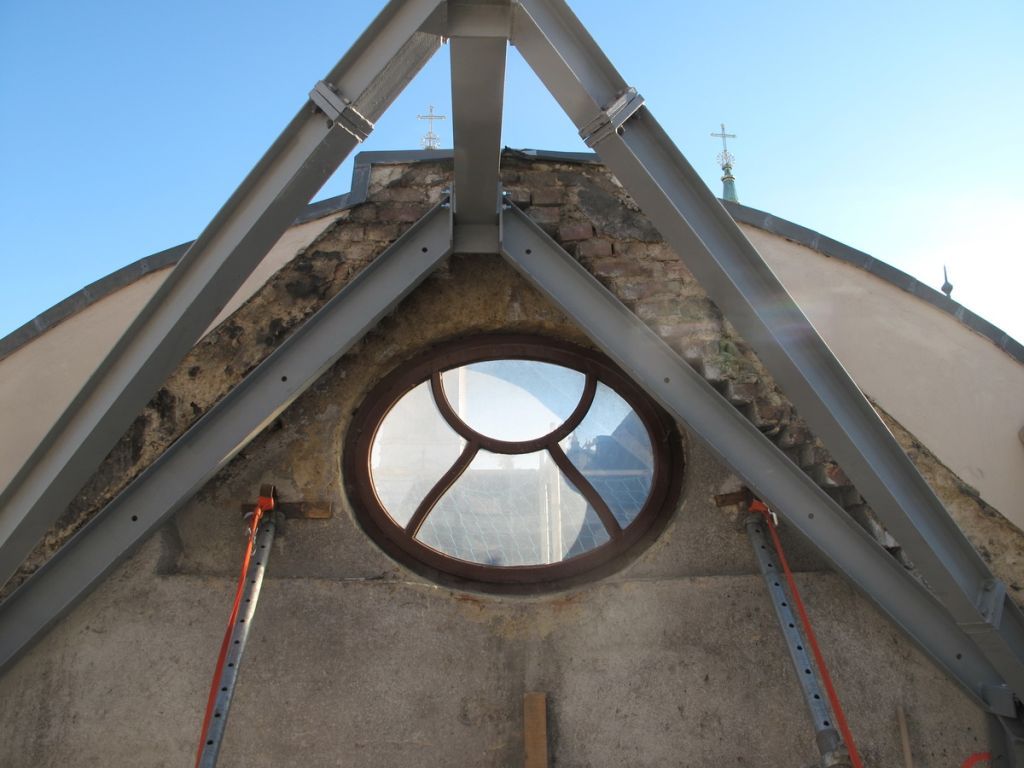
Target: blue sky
[(894, 127)]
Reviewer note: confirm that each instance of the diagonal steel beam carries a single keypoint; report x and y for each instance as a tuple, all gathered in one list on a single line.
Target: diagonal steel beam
[(612, 119), (478, 87), (220, 434), (340, 113), (686, 395), (1006, 737)]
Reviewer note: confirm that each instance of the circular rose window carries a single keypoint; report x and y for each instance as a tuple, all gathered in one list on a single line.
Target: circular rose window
[(511, 460)]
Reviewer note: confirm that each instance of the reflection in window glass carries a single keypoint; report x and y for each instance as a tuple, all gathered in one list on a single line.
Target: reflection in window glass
[(513, 400), (577, 535), (613, 451), (412, 449), (505, 515)]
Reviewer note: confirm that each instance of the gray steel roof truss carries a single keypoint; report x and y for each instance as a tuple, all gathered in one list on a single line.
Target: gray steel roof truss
[(967, 624)]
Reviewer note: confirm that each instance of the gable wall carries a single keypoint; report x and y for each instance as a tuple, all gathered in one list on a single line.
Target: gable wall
[(354, 660), (951, 386)]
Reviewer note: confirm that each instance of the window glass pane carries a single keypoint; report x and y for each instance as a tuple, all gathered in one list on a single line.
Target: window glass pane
[(512, 510), (581, 530), (412, 449), (513, 399), (612, 449)]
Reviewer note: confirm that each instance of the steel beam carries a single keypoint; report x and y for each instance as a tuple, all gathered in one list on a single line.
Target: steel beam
[(340, 112), (478, 87), (220, 434), (1006, 742), (805, 666), (213, 738), (686, 395), (629, 140)]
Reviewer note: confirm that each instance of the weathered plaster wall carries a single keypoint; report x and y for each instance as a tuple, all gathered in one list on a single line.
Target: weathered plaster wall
[(39, 380), (955, 390), (355, 661)]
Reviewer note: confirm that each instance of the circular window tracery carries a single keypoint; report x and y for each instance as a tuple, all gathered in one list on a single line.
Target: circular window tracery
[(512, 460)]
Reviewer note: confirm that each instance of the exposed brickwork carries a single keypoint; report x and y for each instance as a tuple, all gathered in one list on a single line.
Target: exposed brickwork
[(571, 232)]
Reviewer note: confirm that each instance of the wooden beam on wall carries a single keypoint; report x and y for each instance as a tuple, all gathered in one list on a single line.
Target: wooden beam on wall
[(535, 730)]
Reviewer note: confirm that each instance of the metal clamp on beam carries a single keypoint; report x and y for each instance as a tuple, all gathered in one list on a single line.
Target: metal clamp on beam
[(340, 111), (611, 117)]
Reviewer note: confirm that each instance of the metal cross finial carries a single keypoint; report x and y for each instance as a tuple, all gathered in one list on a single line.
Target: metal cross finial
[(725, 158), (431, 140), (947, 287)]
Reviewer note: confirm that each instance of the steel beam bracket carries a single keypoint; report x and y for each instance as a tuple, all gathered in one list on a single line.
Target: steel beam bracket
[(340, 111), (611, 117), (999, 699), (298, 510), (990, 602)]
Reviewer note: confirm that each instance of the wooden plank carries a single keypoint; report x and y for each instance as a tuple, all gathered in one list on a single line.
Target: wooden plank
[(901, 718), (535, 729)]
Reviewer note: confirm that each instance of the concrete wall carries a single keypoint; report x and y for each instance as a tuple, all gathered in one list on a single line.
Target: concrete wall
[(675, 659)]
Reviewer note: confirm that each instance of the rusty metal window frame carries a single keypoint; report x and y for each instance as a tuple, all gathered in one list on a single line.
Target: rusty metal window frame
[(400, 542)]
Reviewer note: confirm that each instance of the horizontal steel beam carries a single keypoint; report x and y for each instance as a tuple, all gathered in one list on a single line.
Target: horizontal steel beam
[(470, 18), (685, 394), (220, 434), (644, 159), (341, 111)]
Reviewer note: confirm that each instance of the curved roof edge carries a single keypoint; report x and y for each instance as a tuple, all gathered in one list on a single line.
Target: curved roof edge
[(836, 250), (364, 161)]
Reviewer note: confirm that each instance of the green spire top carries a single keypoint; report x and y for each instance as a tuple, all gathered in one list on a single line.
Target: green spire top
[(725, 160)]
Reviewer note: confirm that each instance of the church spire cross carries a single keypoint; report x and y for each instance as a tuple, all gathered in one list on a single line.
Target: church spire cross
[(725, 158), (431, 140), (725, 161)]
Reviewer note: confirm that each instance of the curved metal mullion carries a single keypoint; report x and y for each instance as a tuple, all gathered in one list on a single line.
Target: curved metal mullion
[(412, 528), (580, 413), (589, 492), (512, 447), (448, 413)]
